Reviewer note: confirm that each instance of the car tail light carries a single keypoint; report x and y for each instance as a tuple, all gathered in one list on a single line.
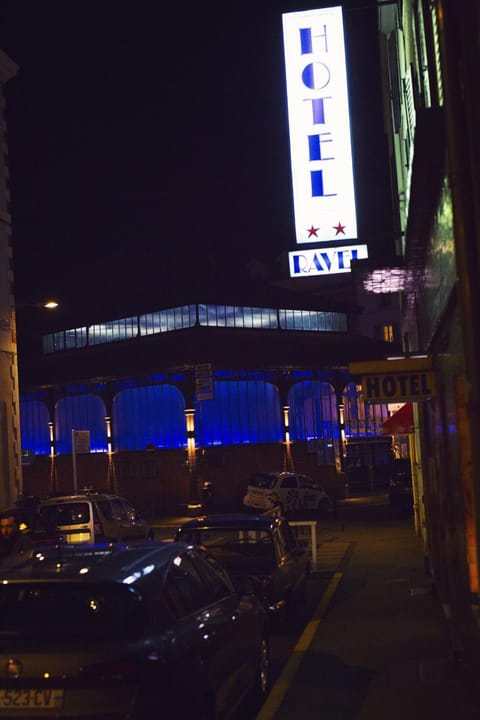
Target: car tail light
[(97, 527)]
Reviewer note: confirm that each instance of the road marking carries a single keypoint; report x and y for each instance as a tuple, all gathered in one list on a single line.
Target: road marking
[(279, 690)]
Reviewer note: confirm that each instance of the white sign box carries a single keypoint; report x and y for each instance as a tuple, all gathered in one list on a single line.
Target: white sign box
[(319, 125), (325, 261)]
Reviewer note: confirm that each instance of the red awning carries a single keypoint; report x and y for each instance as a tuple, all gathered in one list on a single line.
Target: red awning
[(400, 423)]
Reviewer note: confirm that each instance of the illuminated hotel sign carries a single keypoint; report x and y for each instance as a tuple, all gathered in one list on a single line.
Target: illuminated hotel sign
[(396, 381), (325, 261), (320, 146)]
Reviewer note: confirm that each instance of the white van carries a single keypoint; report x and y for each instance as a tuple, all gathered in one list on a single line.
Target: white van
[(94, 517), (287, 491)]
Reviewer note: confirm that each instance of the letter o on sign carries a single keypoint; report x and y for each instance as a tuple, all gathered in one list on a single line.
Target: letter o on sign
[(389, 386)]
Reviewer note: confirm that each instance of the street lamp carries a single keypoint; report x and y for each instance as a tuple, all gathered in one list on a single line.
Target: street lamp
[(47, 304)]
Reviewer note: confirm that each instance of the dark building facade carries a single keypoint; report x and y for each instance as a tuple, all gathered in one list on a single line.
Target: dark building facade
[(431, 64)]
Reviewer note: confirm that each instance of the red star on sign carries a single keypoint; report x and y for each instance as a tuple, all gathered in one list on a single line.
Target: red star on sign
[(313, 231), (339, 228)]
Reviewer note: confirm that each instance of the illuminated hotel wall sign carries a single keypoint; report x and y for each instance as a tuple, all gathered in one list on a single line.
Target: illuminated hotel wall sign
[(325, 261), (320, 145)]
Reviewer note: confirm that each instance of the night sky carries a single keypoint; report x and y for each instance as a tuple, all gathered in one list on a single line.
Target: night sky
[(149, 145)]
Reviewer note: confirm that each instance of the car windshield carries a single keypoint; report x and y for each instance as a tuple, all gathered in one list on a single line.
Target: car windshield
[(67, 611), (239, 540), (72, 513), (263, 480)]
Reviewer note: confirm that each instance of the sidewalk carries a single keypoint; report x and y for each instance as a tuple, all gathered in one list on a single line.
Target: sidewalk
[(381, 648)]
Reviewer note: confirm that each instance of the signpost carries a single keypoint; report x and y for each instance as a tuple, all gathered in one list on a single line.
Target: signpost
[(80, 444)]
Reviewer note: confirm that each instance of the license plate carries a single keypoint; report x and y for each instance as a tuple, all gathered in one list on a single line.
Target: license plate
[(21, 699)]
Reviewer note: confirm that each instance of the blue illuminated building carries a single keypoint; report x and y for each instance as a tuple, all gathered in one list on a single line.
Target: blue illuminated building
[(263, 386)]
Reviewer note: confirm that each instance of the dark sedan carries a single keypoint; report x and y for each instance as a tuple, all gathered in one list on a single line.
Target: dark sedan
[(262, 547), (157, 630)]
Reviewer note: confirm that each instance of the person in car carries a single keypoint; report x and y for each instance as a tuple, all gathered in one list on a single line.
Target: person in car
[(13, 543)]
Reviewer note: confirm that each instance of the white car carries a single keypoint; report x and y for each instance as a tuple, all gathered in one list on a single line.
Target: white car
[(287, 491), (94, 517)]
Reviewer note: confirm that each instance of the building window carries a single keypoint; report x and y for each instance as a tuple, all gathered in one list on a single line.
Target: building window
[(388, 333), (81, 412), (242, 411), (34, 427), (112, 331), (151, 415)]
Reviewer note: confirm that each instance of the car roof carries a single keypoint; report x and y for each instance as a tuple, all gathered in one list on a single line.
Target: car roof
[(78, 497), (86, 563), (235, 520)]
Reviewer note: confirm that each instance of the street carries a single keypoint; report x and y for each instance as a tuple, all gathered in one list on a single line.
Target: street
[(371, 640)]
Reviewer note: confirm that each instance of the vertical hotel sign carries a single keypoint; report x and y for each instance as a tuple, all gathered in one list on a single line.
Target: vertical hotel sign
[(320, 144)]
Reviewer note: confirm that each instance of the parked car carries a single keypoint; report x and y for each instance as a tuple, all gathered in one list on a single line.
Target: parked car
[(263, 548), (94, 517), (287, 491), (153, 630), (400, 490)]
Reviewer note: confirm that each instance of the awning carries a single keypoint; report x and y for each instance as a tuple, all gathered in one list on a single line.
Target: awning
[(400, 423)]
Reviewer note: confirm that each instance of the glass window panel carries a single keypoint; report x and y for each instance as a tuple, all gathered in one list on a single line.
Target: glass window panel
[(362, 418), (168, 320), (124, 329), (313, 417), (149, 323), (48, 343), (241, 412), (80, 412), (75, 338), (202, 314), (248, 317), (189, 316), (230, 316), (57, 341), (211, 315), (150, 415), (239, 317), (34, 420), (221, 316)]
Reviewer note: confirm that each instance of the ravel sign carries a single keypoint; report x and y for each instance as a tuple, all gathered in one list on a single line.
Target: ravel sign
[(320, 143), (396, 381)]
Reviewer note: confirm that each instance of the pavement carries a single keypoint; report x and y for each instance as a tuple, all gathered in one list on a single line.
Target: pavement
[(379, 646)]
